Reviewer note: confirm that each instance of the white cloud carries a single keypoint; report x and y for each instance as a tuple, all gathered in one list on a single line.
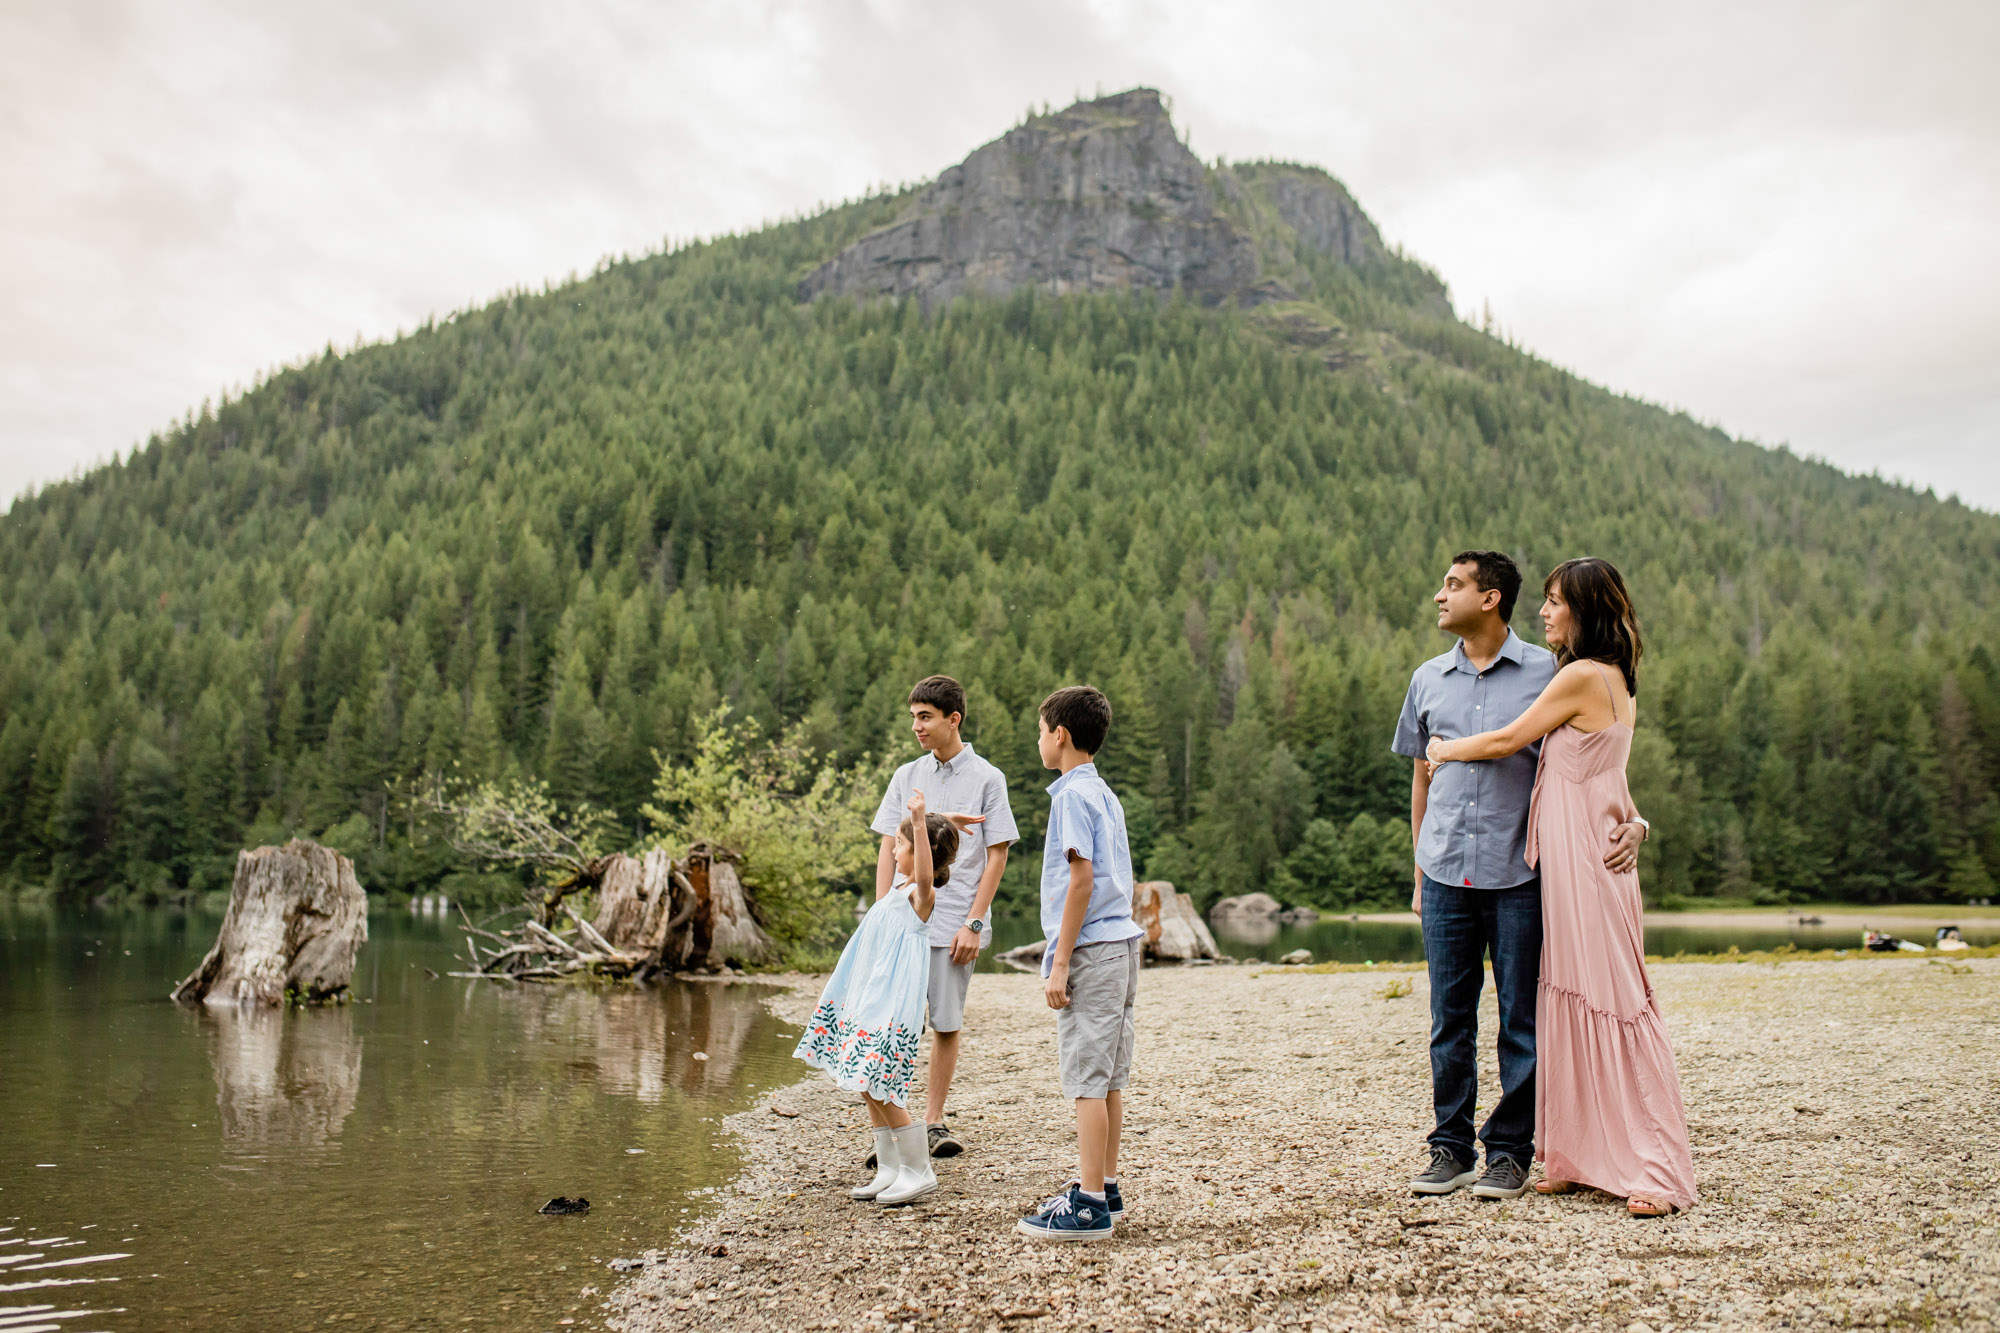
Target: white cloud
[(1773, 216)]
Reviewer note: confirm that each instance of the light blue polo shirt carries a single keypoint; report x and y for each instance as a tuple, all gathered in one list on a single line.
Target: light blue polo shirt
[(1475, 829), (1086, 818)]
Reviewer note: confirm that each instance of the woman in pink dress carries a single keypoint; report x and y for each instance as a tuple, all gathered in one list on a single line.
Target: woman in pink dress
[(1608, 1111)]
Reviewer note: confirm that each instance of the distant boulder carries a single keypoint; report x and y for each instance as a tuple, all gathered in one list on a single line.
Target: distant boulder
[(1251, 906)]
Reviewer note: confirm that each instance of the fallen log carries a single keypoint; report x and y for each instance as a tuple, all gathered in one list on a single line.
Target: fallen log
[(297, 917)]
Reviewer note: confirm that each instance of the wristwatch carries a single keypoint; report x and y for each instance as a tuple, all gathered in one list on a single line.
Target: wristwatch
[(975, 925)]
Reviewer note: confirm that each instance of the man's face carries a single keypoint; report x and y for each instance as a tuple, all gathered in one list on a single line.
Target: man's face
[(1461, 603), (932, 728)]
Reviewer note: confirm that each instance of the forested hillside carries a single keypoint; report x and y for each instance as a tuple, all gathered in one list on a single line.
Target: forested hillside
[(549, 536)]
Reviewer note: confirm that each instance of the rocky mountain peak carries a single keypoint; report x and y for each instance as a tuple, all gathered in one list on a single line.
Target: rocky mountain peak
[(1102, 196)]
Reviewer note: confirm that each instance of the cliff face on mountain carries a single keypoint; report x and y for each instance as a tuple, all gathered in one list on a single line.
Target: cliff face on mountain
[(1105, 196)]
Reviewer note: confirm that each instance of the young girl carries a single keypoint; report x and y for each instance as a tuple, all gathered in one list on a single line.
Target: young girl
[(865, 1030)]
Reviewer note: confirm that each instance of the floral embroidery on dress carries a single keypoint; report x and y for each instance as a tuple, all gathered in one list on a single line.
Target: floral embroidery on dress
[(880, 1063)]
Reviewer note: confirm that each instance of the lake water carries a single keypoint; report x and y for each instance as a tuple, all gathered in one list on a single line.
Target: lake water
[(376, 1165)]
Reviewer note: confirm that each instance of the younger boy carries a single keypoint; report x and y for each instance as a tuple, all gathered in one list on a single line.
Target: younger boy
[(1091, 964)]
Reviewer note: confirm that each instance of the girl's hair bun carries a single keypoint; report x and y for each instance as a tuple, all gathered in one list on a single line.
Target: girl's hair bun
[(944, 845)]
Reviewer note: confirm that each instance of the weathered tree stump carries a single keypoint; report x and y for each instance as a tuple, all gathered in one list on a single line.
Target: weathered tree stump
[(636, 904), (690, 915), (297, 918), (722, 930), (1175, 932)]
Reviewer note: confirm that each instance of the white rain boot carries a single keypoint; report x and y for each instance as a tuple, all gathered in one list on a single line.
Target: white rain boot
[(886, 1160), (915, 1179)]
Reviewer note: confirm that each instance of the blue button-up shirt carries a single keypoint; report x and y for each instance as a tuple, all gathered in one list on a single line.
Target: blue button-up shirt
[(1475, 830), (1085, 817)]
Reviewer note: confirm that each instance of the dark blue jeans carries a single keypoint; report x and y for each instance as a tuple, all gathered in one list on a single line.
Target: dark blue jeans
[(1460, 926)]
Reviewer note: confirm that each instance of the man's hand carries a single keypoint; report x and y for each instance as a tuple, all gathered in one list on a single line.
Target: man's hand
[(962, 822), (1056, 990), (964, 945), (1624, 854), (1417, 894)]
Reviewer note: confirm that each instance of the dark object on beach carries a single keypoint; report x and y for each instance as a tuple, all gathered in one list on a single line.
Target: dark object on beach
[(296, 920), (563, 1207), (717, 1251), (1812, 920)]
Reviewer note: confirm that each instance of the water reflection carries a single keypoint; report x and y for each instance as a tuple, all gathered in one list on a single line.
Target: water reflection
[(283, 1079), (379, 1163)]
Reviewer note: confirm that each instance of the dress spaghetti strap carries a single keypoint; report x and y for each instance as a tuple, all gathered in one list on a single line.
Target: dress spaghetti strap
[(1609, 693)]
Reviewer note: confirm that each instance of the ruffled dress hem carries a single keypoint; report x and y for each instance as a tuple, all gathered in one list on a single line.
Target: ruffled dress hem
[(1606, 1141)]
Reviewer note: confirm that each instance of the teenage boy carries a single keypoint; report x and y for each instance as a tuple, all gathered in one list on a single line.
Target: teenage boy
[(1090, 967), (953, 779), (1474, 889)]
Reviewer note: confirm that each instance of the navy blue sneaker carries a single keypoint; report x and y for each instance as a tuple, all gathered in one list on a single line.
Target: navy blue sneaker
[(1071, 1216), (1113, 1200)]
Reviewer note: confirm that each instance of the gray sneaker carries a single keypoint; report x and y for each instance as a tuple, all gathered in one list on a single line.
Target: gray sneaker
[(1505, 1178), (944, 1143), (1446, 1174)]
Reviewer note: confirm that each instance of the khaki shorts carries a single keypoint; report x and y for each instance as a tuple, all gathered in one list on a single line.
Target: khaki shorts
[(1094, 1034), (946, 995)]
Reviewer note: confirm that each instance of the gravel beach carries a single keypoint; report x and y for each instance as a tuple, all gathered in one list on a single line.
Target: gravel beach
[(1842, 1115)]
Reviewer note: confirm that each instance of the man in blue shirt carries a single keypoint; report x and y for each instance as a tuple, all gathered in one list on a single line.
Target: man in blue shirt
[(1474, 889), (1091, 962)]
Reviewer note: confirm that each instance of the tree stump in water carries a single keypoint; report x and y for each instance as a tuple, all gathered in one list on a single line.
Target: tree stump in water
[(679, 916), (636, 904), (724, 931), (1174, 930), (297, 918)]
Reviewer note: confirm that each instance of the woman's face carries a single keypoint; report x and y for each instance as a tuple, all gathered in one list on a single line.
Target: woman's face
[(1555, 619)]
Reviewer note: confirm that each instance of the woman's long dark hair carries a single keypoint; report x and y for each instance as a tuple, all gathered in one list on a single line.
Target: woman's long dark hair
[(1603, 625)]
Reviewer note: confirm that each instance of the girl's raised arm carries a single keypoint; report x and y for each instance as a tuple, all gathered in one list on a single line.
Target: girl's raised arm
[(923, 893)]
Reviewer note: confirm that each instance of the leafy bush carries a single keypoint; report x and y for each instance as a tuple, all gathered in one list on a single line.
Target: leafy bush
[(798, 821)]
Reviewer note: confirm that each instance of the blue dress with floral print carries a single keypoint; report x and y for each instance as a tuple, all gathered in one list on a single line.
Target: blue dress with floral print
[(865, 1030)]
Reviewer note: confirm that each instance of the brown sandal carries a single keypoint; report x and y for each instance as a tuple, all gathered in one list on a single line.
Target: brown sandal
[(1638, 1206), (1554, 1186)]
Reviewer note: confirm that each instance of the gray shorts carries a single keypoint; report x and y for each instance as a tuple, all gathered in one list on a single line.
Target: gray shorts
[(1094, 1034), (947, 990)]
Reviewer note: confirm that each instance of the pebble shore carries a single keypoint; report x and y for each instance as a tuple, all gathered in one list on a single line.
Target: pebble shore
[(1843, 1117)]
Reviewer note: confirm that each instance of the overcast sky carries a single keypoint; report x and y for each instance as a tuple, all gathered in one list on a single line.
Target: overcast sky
[(1779, 216)]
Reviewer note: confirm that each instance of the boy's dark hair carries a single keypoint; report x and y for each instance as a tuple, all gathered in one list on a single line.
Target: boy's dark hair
[(1084, 710), (1491, 570), (942, 693), (944, 844)]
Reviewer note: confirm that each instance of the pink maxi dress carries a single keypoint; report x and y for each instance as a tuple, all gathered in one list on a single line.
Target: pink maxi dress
[(1608, 1108)]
